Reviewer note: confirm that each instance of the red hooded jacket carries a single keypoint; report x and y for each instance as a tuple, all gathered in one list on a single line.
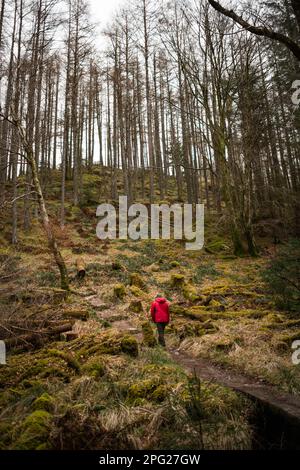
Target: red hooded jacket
[(160, 311)]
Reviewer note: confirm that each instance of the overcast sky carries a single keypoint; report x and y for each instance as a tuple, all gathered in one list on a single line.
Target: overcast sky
[(102, 12)]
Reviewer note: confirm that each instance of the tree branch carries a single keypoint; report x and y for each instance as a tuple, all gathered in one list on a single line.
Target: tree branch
[(258, 30)]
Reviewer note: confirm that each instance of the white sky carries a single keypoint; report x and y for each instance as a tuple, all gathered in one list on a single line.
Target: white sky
[(102, 11)]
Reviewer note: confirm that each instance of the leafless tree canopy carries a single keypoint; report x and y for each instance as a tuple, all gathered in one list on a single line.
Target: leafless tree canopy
[(180, 90)]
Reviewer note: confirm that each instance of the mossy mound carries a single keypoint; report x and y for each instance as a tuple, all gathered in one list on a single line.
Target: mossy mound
[(148, 335), (215, 312), (44, 402), (274, 320), (174, 264), (184, 329), (217, 246), (136, 306), (34, 431), (129, 345), (143, 389), (94, 367), (109, 342), (137, 280), (177, 281), (190, 293), (30, 369), (137, 292), (224, 345), (119, 291), (154, 268)]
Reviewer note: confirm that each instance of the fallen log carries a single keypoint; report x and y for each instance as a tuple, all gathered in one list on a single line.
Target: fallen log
[(38, 296), (68, 336), (80, 269), (37, 338), (8, 328), (80, 314)]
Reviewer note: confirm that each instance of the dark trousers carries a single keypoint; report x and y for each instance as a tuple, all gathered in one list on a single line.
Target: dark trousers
[(161, 333)]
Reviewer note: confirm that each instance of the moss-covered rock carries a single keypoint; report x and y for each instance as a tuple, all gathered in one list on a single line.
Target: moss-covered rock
[(148, 336), (136, 291), (34, 431), (143, 389), (137, 280), (174, 264), (94, 367), (136, 306), (44, 402), (177, 281), (119, 291), (129, 345), (151, 389), (154, 268)]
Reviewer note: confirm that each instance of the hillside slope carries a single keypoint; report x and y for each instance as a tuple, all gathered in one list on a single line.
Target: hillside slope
[(109, 375)]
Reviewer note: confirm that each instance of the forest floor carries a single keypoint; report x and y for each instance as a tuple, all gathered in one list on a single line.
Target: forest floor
[(112, 378)]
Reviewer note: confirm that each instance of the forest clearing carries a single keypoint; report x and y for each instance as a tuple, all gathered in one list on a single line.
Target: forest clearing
[(186, 103)]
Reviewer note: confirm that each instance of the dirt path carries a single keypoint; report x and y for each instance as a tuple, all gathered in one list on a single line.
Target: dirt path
[(267, 394), (276, 422)]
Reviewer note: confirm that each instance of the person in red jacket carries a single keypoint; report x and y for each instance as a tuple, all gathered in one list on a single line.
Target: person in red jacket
[(160, 316)]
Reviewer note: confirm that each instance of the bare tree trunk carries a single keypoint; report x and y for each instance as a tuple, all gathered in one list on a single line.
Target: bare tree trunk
[(30, 158), (148, 101)]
